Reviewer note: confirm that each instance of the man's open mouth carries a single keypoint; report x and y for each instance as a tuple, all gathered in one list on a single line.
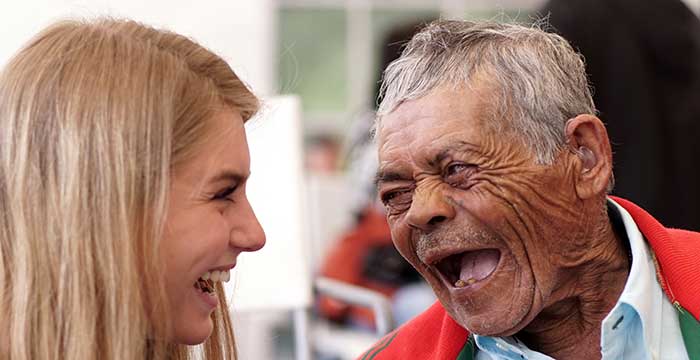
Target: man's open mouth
[(469, 267)]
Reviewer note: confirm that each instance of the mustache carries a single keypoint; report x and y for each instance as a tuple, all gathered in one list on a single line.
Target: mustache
[(454, 236)]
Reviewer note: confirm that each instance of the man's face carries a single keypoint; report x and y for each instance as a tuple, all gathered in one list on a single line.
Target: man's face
[(488, 228)]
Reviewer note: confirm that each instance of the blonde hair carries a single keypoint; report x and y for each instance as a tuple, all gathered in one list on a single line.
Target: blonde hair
[(93, 117)]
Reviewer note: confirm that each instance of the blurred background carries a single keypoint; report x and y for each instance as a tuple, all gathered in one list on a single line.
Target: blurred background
[(329, 283)]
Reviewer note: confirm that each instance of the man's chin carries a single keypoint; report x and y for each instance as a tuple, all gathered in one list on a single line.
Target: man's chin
[(495, 321)]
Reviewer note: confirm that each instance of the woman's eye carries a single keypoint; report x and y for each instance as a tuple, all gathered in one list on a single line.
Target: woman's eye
[(225, 193), (397, 200)]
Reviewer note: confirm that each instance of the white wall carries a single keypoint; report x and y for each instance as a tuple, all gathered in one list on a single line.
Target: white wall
[(278, 276), (269, 283), (242, 32)]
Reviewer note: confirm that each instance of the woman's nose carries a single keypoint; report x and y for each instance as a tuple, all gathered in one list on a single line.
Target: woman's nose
[(249, 235)]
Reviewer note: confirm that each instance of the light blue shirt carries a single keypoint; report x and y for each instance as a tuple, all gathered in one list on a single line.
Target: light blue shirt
[(643, 324)]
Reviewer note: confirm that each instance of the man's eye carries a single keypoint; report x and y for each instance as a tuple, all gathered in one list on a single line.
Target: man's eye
[(225, 193), (458, 174), (397, 200)]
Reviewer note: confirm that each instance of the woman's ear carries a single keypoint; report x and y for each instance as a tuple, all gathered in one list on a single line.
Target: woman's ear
[(588, 140)]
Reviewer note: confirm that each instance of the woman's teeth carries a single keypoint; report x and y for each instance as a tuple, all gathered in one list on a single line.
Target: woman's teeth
[(214, 276), (206, 283)]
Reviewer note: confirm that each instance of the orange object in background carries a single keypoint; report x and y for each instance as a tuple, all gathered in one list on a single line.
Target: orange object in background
[(347, 262)]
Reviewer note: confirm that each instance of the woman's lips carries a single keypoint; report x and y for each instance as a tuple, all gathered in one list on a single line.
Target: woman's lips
[(205, 286), (210, 299)]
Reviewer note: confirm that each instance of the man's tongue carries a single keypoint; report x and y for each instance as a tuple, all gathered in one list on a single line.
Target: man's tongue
[(477, 265)]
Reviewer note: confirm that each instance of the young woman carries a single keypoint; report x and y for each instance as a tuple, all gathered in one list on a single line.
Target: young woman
[(123, 164)]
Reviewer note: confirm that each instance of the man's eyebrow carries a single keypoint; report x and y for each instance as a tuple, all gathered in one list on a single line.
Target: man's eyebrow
[(388, 176), (228, 176), (440, 156), (459, 146)]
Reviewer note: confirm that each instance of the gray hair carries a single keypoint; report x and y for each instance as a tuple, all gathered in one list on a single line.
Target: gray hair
[(540, 78)]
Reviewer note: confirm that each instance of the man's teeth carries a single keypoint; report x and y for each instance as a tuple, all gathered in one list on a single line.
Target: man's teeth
[(214, 276), (461, 283)]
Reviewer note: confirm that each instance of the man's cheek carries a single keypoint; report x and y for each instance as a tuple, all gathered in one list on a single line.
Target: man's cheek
[(401, 242)]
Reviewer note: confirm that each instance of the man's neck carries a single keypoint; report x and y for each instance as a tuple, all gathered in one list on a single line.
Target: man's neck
[(570, 327)]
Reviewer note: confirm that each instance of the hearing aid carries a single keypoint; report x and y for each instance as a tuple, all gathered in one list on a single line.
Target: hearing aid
[(587, 157)]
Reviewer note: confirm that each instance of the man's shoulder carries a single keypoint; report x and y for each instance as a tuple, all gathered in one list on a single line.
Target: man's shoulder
[(432, 335), (686, 237), (676, 252)]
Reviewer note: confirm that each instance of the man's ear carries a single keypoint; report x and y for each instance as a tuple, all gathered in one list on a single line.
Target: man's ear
[(588, 140)]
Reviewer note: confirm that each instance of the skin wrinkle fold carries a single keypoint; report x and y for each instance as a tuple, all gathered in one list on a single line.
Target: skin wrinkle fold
[(525, 222), (547, 200), (503, 197)]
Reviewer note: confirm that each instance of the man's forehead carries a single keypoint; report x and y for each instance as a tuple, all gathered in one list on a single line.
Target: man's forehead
[(420, 134), (429, 132), (427, 107), (432, 153), (468, 104)]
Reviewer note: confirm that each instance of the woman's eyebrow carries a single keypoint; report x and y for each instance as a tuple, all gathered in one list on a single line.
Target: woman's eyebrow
[(228, 176)]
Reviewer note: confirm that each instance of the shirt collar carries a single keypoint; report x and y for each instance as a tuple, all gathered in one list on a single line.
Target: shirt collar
[(641, 289)]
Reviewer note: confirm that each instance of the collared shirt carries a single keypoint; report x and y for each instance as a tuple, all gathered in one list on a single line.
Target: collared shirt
[(643, 324)]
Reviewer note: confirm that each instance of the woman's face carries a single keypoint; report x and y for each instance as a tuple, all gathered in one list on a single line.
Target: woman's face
[(209, 223)]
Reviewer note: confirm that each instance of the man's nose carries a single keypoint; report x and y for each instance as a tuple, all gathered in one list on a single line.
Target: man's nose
[(429, 208), (251, 237)]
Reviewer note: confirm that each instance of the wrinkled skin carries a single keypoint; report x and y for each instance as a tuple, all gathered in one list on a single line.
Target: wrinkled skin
[(450, 184)]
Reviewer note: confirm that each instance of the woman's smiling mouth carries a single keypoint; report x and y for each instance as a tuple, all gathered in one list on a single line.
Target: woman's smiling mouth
[(205, 285)]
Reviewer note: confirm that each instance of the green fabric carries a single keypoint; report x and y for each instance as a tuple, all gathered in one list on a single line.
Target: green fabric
[(372, 353), (468, 350), (690, 328)]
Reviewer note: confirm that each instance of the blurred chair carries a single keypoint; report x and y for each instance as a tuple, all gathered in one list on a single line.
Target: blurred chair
[(331, 204), (342, 342)]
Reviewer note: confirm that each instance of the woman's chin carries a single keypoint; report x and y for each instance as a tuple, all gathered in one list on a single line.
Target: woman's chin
[(194, 334)]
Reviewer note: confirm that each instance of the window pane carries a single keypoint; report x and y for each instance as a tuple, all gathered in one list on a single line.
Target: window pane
[(386, 25), (312, 55)]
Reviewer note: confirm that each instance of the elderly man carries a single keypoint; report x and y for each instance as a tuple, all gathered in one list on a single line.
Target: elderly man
[(494, 171)]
